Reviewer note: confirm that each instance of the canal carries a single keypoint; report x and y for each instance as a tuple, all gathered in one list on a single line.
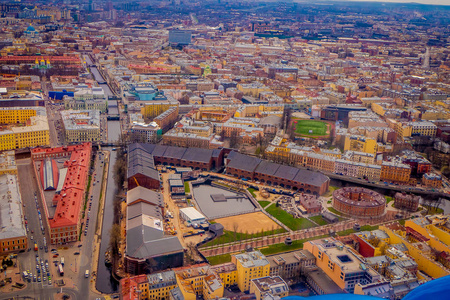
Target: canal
[(105, 282)]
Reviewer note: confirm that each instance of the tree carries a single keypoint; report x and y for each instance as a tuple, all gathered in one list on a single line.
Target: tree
[(235, 230), (234, 138), (114, 238)]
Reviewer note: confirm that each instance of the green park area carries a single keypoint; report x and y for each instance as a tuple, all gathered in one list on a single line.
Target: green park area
[(288, 220), (310, 127)]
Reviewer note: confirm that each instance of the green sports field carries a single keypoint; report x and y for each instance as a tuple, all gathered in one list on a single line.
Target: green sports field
[(310, 127)]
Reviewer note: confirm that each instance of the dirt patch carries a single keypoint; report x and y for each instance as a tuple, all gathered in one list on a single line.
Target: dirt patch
[(251, 223)]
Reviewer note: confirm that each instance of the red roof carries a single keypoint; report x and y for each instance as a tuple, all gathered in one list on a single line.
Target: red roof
[(70, 199)]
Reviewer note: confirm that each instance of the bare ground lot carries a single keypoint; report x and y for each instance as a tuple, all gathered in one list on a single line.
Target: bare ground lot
[(250, 223)]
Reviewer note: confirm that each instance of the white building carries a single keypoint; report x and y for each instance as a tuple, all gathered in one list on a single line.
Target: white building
[(192, 216)]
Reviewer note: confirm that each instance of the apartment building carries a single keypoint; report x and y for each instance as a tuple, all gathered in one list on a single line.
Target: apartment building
[(14, 115), (269, 286), (360, 144), (395, 171), (81, 125), (35, 133), (197, 280), (249, 266), (341, 264), (153, 109)]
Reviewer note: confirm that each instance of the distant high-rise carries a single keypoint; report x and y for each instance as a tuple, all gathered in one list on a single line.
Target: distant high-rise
[(179, 37)]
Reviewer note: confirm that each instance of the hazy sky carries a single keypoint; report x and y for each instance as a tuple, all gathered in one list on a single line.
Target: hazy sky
[(441, 2)]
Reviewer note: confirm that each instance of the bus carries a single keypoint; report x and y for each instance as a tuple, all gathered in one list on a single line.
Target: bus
[(60, 270)]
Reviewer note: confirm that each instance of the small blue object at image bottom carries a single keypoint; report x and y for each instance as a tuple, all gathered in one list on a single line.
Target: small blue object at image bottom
[(435, 289)]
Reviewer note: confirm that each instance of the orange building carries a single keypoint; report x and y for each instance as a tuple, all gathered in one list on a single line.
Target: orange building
[(432, 180), (393, 171)]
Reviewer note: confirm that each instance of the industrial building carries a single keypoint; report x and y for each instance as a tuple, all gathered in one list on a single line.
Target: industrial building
[(192, 216), (13, 235)]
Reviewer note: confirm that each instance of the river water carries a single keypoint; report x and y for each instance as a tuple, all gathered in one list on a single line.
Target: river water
[(105, 282)]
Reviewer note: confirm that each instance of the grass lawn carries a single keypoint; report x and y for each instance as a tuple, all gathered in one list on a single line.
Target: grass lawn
[(388, 199), (288, 220), (319, 220), (351, 230), (252, 191), (186, 187), (433, 210), (264, 203), (331, 189), (219, 259), (310, 127), (339, 214), (230, 236), (282, 247)]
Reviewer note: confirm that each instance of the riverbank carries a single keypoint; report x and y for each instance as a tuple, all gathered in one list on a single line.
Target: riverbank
[(98, 229)]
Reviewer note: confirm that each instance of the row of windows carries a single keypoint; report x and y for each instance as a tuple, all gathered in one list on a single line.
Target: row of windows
[(13, 242)]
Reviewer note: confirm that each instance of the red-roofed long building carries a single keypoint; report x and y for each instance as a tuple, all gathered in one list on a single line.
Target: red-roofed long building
[(64, 224)]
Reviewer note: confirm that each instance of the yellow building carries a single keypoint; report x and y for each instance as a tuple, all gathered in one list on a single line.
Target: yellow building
[(7, 140), (341, 264), (155, 108), (35, 134), (159, 285), (250, 266), (403, 130), (273, 286), (423, 258), (252, 111), (14, 115), (378, 108), (361, 144), (252, 89), (198, 280), (227, 273), (432, 227), (423, 128)]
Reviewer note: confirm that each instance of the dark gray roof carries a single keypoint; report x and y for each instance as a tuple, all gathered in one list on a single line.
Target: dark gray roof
[(198, 155), (146, 195), (267, 168), (147, 147), (310, 177), (286, 172), (232, 154), (159, 150), (243, 162), (143, 208), (141, 162), (216, 227), (216, 152), (174, 152), (144, 242)]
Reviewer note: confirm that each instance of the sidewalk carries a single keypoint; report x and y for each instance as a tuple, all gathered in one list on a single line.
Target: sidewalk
[(98, 231)]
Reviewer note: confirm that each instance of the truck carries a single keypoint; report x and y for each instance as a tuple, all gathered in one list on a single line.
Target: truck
[(25, 274), (86, 274), (35, 247), (62, 260)]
